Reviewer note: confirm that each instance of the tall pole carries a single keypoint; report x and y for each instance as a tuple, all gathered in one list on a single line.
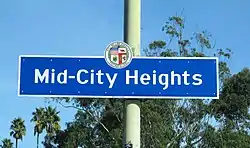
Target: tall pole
[(132, 26)]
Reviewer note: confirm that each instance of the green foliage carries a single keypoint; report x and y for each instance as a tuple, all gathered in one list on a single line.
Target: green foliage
[(52, 125), (46, 119), (233, 106), (52, 120), (224, 138), (6, 143), (18, 129), (40, 122), (153, 116), (164, 123), (78, 133)]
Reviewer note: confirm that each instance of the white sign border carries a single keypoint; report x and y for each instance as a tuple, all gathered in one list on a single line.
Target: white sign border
[(120, 97)]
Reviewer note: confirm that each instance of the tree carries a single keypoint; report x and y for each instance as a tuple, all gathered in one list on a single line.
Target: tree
[(191, 117), (232, 112), (169, 123), (234, 102), (39, 120), (6, 143), (52, 120), (18, 129), (52, 125), (224, 138), (78, 133)]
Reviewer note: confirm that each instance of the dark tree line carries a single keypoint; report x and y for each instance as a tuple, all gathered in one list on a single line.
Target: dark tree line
[(170, 123), (45, 119)]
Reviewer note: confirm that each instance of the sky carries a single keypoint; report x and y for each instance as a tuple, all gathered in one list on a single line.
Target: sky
[(86, 27)]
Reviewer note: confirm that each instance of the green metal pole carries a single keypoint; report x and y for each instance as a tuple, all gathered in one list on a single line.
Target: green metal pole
[(132, 26)]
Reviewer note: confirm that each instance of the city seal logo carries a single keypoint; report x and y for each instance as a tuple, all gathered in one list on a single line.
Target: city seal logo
[(118, 55)]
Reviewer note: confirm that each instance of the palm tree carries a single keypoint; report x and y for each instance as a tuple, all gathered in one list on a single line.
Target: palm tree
[(6, 143), (39, 119), (52, 120), (18, 129)]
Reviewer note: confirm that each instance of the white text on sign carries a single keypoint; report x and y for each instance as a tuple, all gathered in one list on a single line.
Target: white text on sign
[(50, 76)]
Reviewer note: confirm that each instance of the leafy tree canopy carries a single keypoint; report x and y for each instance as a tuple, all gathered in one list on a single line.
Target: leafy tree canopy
[(169, 123)]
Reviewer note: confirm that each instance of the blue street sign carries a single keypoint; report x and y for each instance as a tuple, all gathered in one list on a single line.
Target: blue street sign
[(144, 77)]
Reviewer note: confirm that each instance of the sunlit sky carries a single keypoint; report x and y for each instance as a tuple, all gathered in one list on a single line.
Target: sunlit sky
[(86, 27)]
